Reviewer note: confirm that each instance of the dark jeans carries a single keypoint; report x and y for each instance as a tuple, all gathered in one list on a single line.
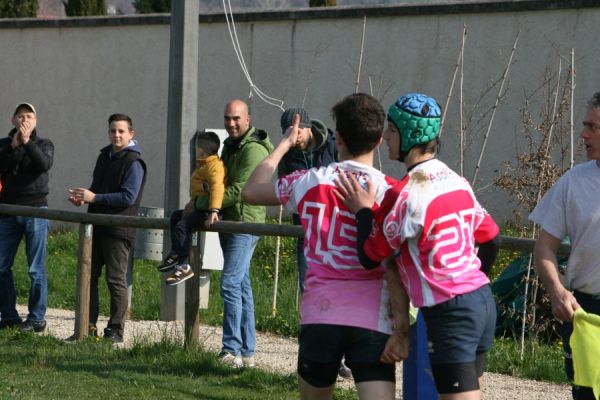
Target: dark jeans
[(182, 228), (300, 257), (114, 253), (590, 304)]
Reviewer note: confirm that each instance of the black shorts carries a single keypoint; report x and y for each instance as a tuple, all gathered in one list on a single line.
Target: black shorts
[(323, 346)]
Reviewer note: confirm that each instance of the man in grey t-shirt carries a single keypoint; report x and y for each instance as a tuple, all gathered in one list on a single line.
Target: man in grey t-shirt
[(571, 209)]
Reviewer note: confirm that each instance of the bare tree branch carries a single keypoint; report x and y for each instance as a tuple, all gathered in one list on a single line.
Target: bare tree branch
[(458, 63), (362, 44), (487, 133)]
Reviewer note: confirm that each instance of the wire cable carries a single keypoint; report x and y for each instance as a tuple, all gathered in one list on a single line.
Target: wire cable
[(238, 52)]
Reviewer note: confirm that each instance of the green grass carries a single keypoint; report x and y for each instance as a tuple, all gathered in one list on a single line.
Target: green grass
[(541, 361), (286, 318), (61, 266), (38, 366)]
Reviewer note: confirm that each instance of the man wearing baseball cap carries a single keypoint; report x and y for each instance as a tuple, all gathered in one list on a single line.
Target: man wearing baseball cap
[(25, 159)]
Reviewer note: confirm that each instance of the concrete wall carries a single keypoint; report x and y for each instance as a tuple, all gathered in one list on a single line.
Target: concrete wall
[(78, 71)]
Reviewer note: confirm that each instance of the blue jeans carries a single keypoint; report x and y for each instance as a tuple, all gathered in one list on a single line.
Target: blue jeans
[(239, 335), (35, 230)]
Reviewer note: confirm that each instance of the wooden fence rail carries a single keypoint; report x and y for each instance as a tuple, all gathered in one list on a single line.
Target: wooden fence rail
[(192, 300)]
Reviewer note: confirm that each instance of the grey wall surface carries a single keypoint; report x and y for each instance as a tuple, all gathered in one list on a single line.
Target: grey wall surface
[(78, 71)]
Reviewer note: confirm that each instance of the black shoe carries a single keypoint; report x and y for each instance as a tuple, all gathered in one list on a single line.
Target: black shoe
[(169, 263), (10, 323), (113, 336), (32, 326)]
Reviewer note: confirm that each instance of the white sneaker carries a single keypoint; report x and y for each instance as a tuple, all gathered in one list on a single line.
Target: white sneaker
[(230, 360), (248, 362)]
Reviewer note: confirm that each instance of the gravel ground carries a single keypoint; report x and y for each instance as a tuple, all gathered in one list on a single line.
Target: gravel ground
[(278, 354)]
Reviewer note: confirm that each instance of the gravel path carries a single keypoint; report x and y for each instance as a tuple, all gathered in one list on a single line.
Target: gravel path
[(276, 353)]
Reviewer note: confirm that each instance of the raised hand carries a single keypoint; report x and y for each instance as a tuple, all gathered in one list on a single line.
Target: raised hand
[(25, 130), (290, 138)]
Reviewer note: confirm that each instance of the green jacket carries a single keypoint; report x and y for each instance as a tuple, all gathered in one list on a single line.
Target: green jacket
[(241, 156)]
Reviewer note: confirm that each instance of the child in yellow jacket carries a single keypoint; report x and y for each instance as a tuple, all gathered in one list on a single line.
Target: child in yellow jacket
[(208, 179)]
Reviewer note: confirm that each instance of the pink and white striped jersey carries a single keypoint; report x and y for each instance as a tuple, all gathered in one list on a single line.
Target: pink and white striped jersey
[(338, 290), (432, 220)]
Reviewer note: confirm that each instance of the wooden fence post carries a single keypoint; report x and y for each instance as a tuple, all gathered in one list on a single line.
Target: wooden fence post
[(84, 272), (192, 296)]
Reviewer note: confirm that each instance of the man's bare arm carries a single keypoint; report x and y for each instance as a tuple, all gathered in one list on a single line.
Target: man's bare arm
[(396, 348), (546, 264)]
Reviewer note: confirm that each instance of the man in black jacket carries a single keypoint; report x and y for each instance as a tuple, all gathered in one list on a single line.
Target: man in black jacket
[(25, 159), (117, 186)]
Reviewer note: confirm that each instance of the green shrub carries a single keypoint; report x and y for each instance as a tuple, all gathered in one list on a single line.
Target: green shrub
[(152, 6), (322, 3), (82, 8), (18, 8)]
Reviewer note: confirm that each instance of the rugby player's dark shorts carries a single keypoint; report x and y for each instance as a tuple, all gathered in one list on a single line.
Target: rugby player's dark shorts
[(459, 332), (322, 347)]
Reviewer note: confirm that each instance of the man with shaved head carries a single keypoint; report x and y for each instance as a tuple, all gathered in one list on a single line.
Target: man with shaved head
[(243, 150)]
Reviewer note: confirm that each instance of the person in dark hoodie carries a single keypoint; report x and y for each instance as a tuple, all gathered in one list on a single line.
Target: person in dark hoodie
[(243, 150), (315, 148), (117, 185), (25, 159)]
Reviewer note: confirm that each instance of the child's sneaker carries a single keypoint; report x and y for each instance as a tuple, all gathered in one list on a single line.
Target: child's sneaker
[(182, 273), (168, 264)]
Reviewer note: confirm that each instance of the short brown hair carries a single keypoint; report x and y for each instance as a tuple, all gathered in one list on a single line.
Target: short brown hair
[(208, 141), (120, 117), (359, 120)]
